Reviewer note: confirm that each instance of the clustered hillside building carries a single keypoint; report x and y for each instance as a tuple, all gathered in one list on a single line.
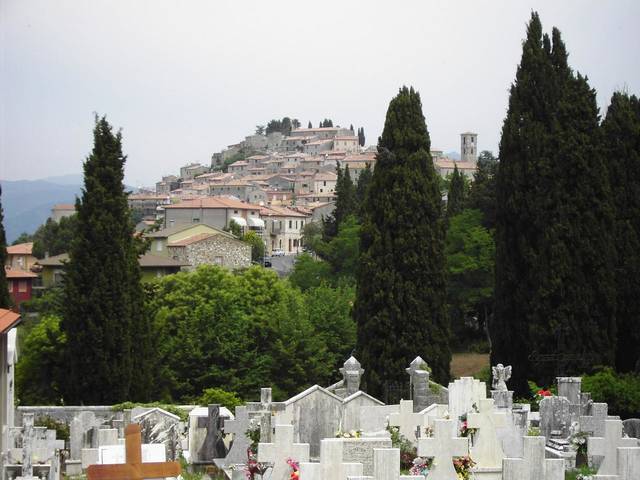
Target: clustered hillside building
[(468, 163)]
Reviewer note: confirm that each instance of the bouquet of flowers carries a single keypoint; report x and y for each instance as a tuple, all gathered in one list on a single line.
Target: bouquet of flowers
[(350, 434), (295, 469), (540, 394), (421, 466), (463, 466), (465, 431), (579, 441), (428, 431), (254, 467)]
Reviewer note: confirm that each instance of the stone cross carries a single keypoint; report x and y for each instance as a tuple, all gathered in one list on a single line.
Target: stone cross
[(500, 376), (28, 440), (594, 423), (486, 450), (443, 447), (213, 445), (281, 450), (533, 466), (133, 469), (238, 427), (408, 421), (352, 374), (607, 446), (331, 464), (265, 414)]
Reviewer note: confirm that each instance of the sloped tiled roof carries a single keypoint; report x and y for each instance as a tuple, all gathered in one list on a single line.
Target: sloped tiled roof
[(20, 249), (8, 320), (214, 202)]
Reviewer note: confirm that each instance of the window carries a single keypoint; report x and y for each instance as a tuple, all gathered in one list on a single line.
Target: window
[(22, 286), (158, 245), (324, 184), (235, 211), (196, 220), (301, 223), (290, 223)]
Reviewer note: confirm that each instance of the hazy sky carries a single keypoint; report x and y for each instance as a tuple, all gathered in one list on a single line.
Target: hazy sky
[(183, 79)]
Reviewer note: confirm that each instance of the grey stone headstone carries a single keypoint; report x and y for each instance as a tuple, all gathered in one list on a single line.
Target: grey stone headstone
[(631, 427), (238, 427), (555, 416), (27, 444), (76, 434)]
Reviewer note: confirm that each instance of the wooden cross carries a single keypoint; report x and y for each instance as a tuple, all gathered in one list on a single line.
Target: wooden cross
[(443, 447), (486, 449), (407, 421), (133, 469), (608, 446)]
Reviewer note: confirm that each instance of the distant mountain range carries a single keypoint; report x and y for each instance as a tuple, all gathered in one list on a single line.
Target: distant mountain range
[(27, 203), (453, 155)]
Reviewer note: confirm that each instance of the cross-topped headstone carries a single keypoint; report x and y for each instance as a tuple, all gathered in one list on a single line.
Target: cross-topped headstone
[(265, 414), (607, 446), (594, 423), (133, 469), (419, 379), (486, 450), (533, 466), (238, 427), (443, 447), (407, 421), (28, 439), (281, 450), (331, 464)]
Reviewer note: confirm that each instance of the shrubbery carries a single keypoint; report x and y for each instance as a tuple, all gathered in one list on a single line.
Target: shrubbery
[(620, 391)]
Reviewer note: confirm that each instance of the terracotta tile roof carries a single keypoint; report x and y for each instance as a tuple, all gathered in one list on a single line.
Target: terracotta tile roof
[(452, 163), (189, 240), (144, 196), (215, 202), (54, 261), (20, 249), (8, 320), (239, 163), (17, 273), (353, 138), (326, 176), (362, 157), (64, 206), (148, 260), (274, 211)]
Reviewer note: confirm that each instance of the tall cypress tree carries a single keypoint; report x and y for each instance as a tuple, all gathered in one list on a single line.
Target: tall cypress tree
[(554, 290), (455, 197), (362, 187), (103, 319), (621, 132), (400, 300), (309, 126), (5, 299)]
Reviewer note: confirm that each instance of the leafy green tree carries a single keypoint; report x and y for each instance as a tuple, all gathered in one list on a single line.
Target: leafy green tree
[(54, 238), (345, 201), (286, 126), (295, 123), (260, 129), (42, 364), (5, 299), (456, 196), (308, 273), (234, 228), (257, 245), (108, 337), (554, 258), (621, 135), (326, 123), (274, 126), (220, 397), (343, 251), (482, 194), (23, 238), (470, 253), (312, 235), (401, 297)]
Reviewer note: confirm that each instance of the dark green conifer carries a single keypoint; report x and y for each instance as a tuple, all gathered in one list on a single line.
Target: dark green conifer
[(309, 126), (554, 288), (5, 299), (362, 187), (482, 195), (456, 194), (621, 132), (400, 300), (108, 339)]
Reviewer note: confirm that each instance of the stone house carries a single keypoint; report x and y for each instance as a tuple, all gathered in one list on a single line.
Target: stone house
[(192, 170), (147, 204), (220, 248), (168, 184), (238, 167), (20, 256), (8, 358), (213, 211), (321, 133), (347, 143), (284, 228), (325, 182), (61, 210), (242, 189), (318, 146)]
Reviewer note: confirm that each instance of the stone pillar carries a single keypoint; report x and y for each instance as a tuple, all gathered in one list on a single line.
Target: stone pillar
[(502, 398), (419, 378)]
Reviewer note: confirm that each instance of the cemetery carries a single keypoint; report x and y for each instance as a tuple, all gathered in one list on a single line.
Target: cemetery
[(464, 432)]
